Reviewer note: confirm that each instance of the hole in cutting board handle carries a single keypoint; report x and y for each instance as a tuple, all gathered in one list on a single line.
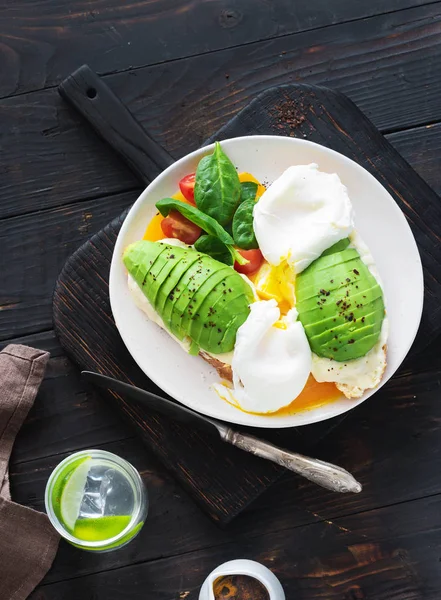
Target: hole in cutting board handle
[(91, 93)]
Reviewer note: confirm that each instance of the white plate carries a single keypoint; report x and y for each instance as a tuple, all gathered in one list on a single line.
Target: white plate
[(380, 222)]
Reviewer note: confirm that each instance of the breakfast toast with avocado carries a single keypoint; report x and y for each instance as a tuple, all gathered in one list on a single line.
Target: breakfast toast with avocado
[(198, 298)]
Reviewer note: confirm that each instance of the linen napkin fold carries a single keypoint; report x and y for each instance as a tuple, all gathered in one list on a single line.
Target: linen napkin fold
[(28, 542)]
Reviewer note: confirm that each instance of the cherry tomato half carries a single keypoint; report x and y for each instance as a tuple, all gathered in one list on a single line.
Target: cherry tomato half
[(177, 226), (254, 258), (186, 185)]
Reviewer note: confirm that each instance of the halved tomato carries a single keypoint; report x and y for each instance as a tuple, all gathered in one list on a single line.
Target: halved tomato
[(254, 258), (177, 226), (186, 185)]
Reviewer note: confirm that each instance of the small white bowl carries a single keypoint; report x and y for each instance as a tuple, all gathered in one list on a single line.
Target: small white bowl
[(379, 221), (243, 566)]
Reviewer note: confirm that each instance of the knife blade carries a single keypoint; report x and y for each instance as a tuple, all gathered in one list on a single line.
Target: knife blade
[(325, 474), (170, 409)]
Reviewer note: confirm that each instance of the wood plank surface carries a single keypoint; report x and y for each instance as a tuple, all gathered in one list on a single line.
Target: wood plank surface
[(384, 544), (67, 414), (388, 65), (421, 147), (42, 42), (390, 553), (400, 426), (33, 250)]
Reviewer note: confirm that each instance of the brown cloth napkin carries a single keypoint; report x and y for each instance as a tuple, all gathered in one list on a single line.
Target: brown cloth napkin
[(28, 542)]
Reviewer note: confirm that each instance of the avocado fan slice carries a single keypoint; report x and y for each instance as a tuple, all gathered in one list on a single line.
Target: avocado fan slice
[(340, 304), (186, 288)]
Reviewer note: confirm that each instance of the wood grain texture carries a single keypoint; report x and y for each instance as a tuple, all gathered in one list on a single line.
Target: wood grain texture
[(390, 553), (388, 65), (66, 415), (366, 443), (33, 250), (421, 147), (86, 329), (42, 42)]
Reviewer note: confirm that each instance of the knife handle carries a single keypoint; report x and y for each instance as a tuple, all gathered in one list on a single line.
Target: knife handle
[(322, 473), (113, 122)]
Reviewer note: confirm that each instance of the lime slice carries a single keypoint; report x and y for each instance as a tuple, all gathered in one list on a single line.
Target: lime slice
[(101, 528), (72, 495)]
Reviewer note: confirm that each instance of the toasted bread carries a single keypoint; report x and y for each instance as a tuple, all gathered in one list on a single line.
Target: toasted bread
[(224, 370)]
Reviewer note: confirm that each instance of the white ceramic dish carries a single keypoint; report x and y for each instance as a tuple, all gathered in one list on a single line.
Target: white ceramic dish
[(379, 221), (243, 566)]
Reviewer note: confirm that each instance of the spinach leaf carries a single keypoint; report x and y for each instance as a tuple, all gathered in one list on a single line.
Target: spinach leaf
[(243, 231), (211, 245), (193, 214), (217, 188), (248, 191)]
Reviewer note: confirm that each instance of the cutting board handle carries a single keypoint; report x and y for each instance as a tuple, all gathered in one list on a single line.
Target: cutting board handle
[(113, 122)]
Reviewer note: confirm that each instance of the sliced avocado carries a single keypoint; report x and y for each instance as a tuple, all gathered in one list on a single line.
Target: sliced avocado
[(169, 285), (340, 304), (217, 311), (144, 263), (203, 288), (185, 287)]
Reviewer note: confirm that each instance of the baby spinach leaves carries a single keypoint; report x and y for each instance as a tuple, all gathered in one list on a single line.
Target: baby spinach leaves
[(248, 191), (196, 216), (217, 188), (205, 222), (211, 245), (243, 231)]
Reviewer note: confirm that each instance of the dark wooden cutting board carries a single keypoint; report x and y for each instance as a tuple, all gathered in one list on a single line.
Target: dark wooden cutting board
[(222, 479)]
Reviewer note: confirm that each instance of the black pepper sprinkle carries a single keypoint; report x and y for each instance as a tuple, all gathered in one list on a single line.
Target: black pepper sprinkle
[(172, 256), (362, 319), (351, 341), (332, 281), (347, 279), (356, 272), (335, 349)]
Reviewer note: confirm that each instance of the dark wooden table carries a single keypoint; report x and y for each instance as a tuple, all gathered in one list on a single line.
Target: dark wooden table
[(184, 68)]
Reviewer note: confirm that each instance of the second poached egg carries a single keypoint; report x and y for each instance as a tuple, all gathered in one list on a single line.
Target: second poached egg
[(301, 214)]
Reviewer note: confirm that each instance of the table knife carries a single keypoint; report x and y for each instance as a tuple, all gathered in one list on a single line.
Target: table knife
[(320, 472)]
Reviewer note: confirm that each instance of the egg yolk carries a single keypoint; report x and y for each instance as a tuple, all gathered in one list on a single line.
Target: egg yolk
[(313, 395), (276, 283), (154, 232)]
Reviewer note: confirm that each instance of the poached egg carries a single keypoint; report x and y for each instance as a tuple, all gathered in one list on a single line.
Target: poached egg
[(271, 360), (301, 214)]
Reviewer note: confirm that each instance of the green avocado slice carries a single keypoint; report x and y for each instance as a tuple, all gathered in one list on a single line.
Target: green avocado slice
[(340, 304), (187, 290)]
